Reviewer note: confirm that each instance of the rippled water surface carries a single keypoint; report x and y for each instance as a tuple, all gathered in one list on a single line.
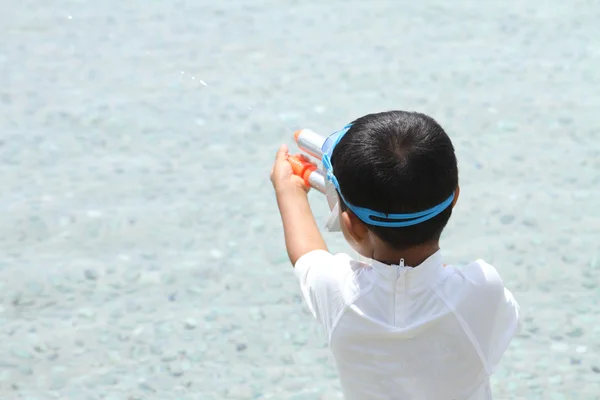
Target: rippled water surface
[(141, 252)]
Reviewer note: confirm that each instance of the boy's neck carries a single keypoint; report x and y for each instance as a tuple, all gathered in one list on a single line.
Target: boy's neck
[(413, 256)]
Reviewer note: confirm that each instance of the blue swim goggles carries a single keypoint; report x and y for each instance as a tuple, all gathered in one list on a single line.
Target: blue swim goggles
[(369, 216)]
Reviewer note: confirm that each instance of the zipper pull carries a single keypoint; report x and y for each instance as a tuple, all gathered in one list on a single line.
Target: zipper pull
[(402, 262)]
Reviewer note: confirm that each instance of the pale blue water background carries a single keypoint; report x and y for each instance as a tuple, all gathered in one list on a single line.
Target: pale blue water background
[(141, 253)]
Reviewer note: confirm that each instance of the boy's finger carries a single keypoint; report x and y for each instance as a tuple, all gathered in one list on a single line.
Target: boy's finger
[(306, 158)]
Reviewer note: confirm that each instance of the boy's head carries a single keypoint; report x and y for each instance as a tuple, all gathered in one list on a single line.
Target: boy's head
[(395, 162)]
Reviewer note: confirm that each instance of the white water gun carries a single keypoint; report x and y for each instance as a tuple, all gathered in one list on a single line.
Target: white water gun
[(312, 143)]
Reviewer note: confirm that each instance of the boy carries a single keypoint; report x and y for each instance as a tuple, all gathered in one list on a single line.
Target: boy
[(403, 325)]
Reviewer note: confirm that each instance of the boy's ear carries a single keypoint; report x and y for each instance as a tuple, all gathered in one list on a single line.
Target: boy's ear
[(357, 229), (456, 194)]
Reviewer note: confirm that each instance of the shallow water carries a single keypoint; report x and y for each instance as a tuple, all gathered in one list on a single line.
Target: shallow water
[(141, 252)]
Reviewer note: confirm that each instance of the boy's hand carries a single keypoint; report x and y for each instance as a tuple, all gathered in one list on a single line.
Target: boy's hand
[(299, 227), (282, 176)]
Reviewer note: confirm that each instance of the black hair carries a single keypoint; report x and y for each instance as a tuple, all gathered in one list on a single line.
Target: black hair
[(397, 162)]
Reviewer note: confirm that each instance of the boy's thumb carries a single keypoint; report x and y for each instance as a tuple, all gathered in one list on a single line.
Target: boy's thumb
[(282, 153)]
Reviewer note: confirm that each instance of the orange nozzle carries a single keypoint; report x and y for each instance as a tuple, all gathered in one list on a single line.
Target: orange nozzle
[(296, 134), (301, 168)]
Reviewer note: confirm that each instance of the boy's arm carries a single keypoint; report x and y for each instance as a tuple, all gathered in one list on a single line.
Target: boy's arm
[(300, 229)]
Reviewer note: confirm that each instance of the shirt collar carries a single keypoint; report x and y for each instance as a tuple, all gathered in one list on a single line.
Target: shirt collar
[(427, 273)]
